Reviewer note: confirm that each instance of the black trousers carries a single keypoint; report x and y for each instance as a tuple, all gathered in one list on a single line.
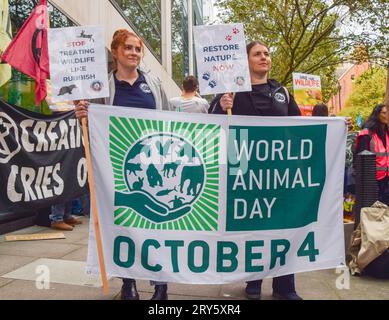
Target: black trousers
[(383, 191), (283, 284)]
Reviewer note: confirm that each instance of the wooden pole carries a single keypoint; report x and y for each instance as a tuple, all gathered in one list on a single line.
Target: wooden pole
[(229, 111), (94, 207)]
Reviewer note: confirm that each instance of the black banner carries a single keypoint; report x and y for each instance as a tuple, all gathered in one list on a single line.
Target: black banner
[(42, 159)]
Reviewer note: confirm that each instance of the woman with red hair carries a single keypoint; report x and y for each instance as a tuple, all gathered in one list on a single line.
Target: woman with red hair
[(130, 86)]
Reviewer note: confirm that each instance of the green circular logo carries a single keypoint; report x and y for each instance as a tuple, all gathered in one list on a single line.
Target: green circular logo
[(164, 175)]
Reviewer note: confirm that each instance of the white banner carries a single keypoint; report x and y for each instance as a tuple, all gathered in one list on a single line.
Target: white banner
[(78, 64), (221, 57), (172, 208)]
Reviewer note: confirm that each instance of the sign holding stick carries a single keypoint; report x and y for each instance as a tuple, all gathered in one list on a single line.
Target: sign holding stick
[(96, 224), (221, 57), (78, 63)]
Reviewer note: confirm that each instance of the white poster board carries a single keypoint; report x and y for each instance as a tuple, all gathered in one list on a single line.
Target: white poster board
[(78, 64), (221, 57)]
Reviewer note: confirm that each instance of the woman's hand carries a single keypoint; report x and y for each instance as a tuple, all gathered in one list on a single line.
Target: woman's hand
[(226, 101), (81, 109)]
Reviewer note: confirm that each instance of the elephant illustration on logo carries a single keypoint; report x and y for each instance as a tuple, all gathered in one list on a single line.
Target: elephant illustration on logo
[(195, 175)]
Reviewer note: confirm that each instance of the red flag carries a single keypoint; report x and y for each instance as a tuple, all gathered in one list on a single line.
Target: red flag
[(28, 51)]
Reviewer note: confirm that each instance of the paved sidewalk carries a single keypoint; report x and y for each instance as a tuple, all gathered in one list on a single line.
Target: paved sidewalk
[(65, 259)]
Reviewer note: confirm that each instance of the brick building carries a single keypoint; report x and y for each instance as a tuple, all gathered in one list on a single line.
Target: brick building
[(346, 75)]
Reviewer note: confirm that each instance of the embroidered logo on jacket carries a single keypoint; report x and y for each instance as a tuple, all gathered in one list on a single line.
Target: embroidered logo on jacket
[(280, 97), (145, 88)]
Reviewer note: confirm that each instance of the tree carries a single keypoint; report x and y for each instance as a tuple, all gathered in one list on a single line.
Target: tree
[(21, 10), (180, 60), (368, 91), (307, 36), (371, 17), (145, 18)]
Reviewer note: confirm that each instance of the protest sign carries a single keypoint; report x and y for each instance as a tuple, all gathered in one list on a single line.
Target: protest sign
[(171, 208), (307, 92), (221, 59), (78, 64)]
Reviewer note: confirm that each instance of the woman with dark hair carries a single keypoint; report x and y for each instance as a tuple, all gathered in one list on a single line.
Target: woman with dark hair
[(130, 86), (320, 110), (374, 137), (267, 98)]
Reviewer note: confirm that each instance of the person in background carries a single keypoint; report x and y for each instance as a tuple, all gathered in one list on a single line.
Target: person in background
[(190, 100), (267, 98), (349, 180), (61, 217), (131, 87), (320, 110), (81, 205), (374, 137)]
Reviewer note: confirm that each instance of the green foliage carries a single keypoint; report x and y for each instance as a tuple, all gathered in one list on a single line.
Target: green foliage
[(368, 91), (145, 18), (180, 59), (371, 17)]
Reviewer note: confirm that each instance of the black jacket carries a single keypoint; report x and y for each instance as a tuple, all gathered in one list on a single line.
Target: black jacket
[(269, 99)]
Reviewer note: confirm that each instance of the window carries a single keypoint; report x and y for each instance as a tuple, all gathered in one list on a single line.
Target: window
[(197, 20), (20, 89), (198, 12), (144, 16)]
